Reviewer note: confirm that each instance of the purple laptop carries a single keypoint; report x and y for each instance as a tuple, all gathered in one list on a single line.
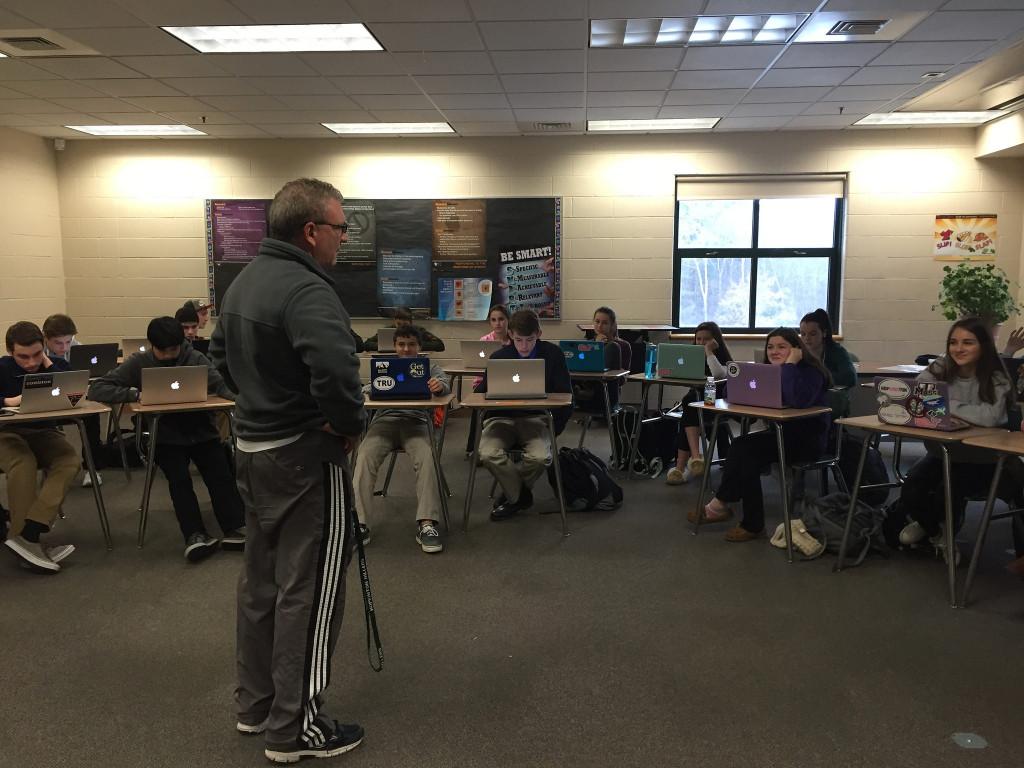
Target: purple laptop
[(757, 384)]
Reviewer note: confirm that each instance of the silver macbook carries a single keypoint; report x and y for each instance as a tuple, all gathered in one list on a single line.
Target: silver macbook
[(386, 340), (55, 391), (130, 346), (515, 380), (475, 353), (174, 384)]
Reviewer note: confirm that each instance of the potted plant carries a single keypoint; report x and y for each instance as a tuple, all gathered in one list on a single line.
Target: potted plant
[(976, 289)]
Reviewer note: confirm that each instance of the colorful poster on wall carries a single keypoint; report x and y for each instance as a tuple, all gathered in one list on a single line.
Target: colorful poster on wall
[(529, 279), (460, 231), (403, 278), (464, 298), (965, 237)]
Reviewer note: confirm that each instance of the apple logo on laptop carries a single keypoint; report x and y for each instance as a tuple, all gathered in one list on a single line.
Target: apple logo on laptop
[(753, 383), (482, 354), (142, 348), (55, 391), (515, 378), (175, 385), (93, 360)]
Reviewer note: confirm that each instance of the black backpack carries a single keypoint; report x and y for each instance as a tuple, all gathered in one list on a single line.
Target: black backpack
[(825, 519), (586, 481), (874, 471)]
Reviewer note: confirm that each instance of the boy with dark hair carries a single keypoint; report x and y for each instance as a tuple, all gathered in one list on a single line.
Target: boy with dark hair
[(202, 309), (188, 319), (24, 449), (406, 429), (527, 429), (183, 437), (401, 317)]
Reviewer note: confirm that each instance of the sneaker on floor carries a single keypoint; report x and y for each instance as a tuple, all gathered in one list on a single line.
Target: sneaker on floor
[(512, 508), (739, 533), (199, 547), (696, 466), (32, 552), (59, 552), (364, 533), (344, 739), (87, 480), (233, 540), (429, 538), (250, 730), (912, 533), (675, 476)]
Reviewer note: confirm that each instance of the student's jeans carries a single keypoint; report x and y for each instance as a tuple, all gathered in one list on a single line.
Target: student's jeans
[(22, 454), (384, 436), (213, 466), (923, 495), (499, 436), (741, 475)]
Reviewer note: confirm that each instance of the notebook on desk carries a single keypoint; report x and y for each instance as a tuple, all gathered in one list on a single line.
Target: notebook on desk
[(916, 404), (174, 384), (515, 380), (56, 391), (757, 384), (475, 353), (97, 359), (681, 361), (399, 378), (583, 356)]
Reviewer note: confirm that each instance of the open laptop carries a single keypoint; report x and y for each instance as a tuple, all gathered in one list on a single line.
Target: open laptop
[(399, 378), (386, 340), (681, 361), (130, 346), (57, 391), (758, 384), (583, 356), (475, 353), (515, 380), (916, 404), (201, 345), (174, 384), (97, 359)]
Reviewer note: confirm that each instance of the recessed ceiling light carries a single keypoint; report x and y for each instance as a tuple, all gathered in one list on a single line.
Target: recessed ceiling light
[(136, 130), (932, 75), (277, 38), (363, 129), (931, 118), (645, 126), (695, 30)]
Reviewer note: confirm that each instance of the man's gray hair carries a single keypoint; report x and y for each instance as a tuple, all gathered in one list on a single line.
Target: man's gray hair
[(296, 203)]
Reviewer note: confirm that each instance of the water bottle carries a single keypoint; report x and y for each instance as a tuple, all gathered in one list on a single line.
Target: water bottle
[(709, 391), (651, 361)]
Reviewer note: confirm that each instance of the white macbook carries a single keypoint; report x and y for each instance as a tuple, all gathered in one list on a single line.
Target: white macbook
[(57, 391), (515, 380), (174, 384), (475, 353)]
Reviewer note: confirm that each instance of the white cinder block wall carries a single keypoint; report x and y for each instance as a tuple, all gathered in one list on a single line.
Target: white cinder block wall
[(134, 244), (31, 265)]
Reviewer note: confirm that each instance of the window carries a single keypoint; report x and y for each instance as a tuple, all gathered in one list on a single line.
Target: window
[(752, 254)]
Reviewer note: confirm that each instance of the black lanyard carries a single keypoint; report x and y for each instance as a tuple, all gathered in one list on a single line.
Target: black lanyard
[(371, 614)]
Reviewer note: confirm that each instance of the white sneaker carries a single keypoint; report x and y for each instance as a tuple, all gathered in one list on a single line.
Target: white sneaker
[(912, 534), (32, 553), (87, 480)]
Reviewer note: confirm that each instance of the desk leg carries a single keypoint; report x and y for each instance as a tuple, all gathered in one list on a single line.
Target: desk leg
[(853, 501), (437, 470), (115, 420), (897, 453), (950, 534), (477, 428), (707, 466), (784, 482), (97, 495), (558, 471), (645, 388), (986, 518), (150, 465), (611, 427)]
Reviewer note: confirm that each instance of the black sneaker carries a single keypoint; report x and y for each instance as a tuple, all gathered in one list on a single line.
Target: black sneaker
[(344, 739), (199, 547), (513, 508), (430, 538), (233, 540), (364, 533)]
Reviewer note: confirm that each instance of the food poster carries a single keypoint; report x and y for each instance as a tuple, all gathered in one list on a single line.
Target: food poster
[(965, 237), (464, 298)]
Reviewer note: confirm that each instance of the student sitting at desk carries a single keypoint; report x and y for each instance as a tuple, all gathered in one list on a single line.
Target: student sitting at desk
[(505, 430), (816, 333), (979, 391), (392, 429), (805, 384), (27, 448), (188, 319), (589, 395), (58, 338), (497, 318), (402, 316), (183, 437)]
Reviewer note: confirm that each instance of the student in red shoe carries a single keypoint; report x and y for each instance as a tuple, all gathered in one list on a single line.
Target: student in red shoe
[(805, 384)]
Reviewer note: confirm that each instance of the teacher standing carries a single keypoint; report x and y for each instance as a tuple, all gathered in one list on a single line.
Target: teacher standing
[(283, 342)]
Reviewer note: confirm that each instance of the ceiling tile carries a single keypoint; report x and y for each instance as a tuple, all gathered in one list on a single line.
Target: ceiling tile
[(54, 131), (352, 63), (622, 113), (538, 61), (437, 63), (832, 107), (11, 70), (7, 93), (769, 95), (49, 89), (534, 35), (805, 76), (544, 100), (291, 85), (459, 83), (756, 110), (822, 122), (730, 57), (829, 54), (263, 64), (438, 36), (728, 7), (11, 20), (407, 115), (131, 41), (888, 75), (408, 10), (101, 104), (301, 116), (86, 67), (972, 5), (193, 65), (25, 106), (184, 13), (70, 14), (386, 84), (644, 9), (395, 101), (967, 25), (299, 130), (212, 86), (866, 92), (633, 60), (569, 81), (141, 86), (310, 11), (480, 115), (196, 118), (131, 118), (165, 103), (235, 132), (558, 115), (477, 101), (502, 10), (892, 6), (691, 98), (704, 110), (625, 98), (928, 53), (751, 123), (710, 78), (473, 128), (628, 81), (242, 103)]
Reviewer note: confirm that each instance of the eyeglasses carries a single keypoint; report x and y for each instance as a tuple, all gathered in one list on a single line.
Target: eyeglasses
[(342, 228)]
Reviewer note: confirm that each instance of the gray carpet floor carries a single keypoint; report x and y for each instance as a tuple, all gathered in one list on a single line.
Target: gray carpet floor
[(629, 643)]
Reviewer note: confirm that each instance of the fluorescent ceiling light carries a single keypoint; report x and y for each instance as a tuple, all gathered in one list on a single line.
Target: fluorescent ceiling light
[(136, 130), (388, 128), (931, 118), (644, 126), (695, 30), (277, 38)]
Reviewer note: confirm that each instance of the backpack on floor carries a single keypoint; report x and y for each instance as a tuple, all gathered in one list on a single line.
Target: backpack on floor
[(874, 471), (656, 450), (825, 519), (585, 481)]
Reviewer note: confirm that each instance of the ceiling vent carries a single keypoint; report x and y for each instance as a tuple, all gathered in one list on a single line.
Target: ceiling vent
[(26, 43), (552, 127), (858, 27), (31, 44)]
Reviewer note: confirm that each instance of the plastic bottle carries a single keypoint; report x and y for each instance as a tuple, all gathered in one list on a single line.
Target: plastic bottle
[(651, 361), (709, 391)]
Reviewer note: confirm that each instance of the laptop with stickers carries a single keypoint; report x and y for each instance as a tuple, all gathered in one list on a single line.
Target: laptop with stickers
[(57, 391), (583, 356), (399, 378), (757, 384), (916, 404), (515, 380)]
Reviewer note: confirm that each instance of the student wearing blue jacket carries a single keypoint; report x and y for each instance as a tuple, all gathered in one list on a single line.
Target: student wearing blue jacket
[(805, 384)]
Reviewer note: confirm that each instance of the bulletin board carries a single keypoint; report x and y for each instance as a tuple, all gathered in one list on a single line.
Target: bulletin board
[(450, 259)]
